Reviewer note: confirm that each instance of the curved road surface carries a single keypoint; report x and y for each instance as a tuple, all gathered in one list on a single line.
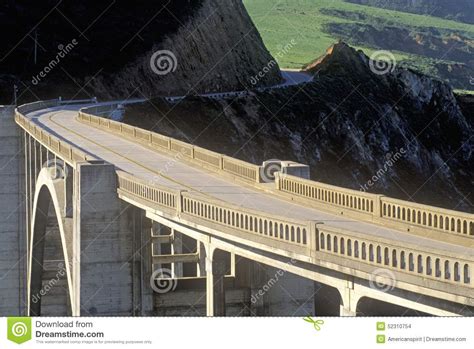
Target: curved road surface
[(164, 170), (290, 78)]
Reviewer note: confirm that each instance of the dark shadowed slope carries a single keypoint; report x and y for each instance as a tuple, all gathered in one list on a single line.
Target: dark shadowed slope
[(109, 46)]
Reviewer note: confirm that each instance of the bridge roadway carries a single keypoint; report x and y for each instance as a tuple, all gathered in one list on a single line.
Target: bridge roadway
[(163, 169)]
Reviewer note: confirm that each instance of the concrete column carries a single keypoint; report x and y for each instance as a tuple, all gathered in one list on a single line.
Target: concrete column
[(349, 300), (232, 264), (68, 191), (209, 252), (137, 275), (103, 251), (29, 174), (156, 248), (215, 290), (146, 265), (13, 242), (177, 248), (201, 265)]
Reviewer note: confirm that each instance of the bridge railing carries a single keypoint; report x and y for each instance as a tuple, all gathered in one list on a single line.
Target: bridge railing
[(217, 212), (244, 220), (352, 200), (399, 214), (446, 267), (150, 192), (210, 159), (433, 218), (352, 203), (312, 239), (59, 147)]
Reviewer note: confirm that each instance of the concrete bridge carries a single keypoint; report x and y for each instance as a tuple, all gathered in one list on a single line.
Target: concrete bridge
[(110, 207)]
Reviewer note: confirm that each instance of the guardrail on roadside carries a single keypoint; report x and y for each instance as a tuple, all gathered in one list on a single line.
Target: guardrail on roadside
[(219, 212), (313, 239), (210, 159), (57, 146), (398, 214), (422, 261)]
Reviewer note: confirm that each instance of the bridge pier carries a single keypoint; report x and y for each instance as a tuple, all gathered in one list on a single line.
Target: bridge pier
[(103, 245), (215, 288), (349, 300), (13, 239)]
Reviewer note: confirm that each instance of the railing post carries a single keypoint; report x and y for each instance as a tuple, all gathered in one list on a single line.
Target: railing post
[(313, 238), (179, 203), (259, 169), (277, 181), (221, 162), (377, 214)]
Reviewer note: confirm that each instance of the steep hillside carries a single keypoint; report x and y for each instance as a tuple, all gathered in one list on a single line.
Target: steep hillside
[(459, 10), (92, 48), (432, 45), (350, 125)]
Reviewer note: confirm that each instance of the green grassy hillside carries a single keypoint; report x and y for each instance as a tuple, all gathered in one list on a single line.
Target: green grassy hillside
[(297, 31)]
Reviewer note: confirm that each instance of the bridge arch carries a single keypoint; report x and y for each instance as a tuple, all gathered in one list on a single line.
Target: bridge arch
[(48, 195)]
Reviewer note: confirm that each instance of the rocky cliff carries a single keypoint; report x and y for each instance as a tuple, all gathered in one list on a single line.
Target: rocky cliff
[(400, 133), (89, 48)]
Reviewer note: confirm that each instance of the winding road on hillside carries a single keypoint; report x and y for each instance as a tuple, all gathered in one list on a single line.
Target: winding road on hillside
[(290, 78)]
